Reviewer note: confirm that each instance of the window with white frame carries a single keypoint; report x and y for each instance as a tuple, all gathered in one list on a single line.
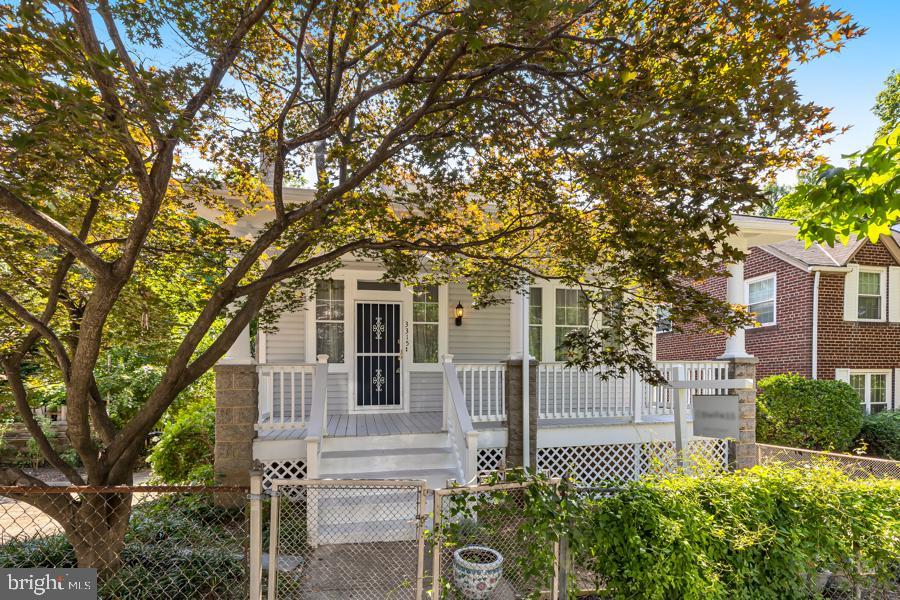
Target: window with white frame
[(535, 321), (426, 319), (870, 304), (872, 389), (571, 314), (330, 319), (761, 299), (663, 319)]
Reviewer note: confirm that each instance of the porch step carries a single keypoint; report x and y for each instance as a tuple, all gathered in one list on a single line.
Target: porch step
[(384, 442), (387, 460), (356, 532), (435, 478)]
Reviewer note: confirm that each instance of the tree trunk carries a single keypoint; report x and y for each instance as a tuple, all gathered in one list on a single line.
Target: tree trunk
[(97, 531)]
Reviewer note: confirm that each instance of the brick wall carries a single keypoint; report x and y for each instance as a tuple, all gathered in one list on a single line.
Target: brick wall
[(855, 344), (780, 348)]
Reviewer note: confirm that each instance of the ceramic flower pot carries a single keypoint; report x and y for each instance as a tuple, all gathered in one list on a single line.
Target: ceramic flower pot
[(477, 571)]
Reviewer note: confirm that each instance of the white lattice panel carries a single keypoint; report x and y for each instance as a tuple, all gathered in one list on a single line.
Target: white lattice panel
[(285, 469), (490, 459), (590, 465), (660, 457)]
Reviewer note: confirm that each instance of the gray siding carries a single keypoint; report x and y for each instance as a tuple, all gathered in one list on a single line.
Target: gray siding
[(426, 391), (337, 393), (484, 334), (286, 345)]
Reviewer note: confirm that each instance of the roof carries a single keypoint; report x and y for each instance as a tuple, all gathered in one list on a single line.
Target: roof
[(825, 255)]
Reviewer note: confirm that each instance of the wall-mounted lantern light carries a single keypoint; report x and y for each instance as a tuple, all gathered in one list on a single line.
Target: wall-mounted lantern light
[(459, 313)]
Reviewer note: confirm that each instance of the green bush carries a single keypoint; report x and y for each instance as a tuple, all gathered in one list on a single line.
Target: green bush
[(881, 434), (760, 535), (185, 450), (807, 413)]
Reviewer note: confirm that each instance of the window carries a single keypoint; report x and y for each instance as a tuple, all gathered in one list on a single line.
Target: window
[(535, 320), (872, 389), (426, 316), (761, 299), (870, 293), (571, 314), (330, 319), (663, 319)]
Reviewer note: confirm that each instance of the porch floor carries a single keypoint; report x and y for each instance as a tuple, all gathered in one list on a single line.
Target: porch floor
[(361, 425)]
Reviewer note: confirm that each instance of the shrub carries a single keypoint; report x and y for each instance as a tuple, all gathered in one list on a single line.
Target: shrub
[(881, 434), (807, 413), (187, 444), (759, 535)]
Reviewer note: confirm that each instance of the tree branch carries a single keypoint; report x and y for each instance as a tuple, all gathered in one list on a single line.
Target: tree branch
[(42, 222)]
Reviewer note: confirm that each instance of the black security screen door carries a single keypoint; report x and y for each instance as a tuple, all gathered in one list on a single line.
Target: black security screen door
[(377, 354)]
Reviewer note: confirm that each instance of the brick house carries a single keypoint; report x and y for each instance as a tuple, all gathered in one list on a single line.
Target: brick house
[(828, 312)]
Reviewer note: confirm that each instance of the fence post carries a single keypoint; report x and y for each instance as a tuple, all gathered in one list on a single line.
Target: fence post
[(255, 562), (564, 568), (436, 545), (681, 400)]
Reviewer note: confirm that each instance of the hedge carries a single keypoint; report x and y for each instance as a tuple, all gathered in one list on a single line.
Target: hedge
[(760, 535), (807, 413), (881, 434)]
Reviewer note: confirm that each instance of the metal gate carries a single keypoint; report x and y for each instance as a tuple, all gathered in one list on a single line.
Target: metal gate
[(347, 539), (378, 354)]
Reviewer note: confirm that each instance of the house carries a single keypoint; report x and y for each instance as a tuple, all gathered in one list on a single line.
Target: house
[(827, 312), (375, 380)]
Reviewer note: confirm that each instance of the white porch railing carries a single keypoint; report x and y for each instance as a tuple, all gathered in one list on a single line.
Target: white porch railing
[(463, 437), (286, 393), (483, 387), (318, 417), (659, 400), (570, 393)]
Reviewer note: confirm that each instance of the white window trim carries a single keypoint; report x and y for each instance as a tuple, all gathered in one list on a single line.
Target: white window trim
[(774, 277), (548, 319), (668, 316), (882, 271), (351, 297), (867, 401)]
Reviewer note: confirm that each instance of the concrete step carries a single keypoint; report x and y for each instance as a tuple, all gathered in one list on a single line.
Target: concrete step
[(385, 442), (387, 460), (435, 478), (336, 506), (366, 531)]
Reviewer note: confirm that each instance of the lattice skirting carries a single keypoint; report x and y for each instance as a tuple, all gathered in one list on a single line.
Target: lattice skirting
[(591, 465), (490, 459), (283, 469), (612, 462)]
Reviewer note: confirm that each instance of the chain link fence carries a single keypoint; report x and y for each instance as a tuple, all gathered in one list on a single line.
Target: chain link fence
[(346, 539), (161, 542), (857, 467), (472, 525)]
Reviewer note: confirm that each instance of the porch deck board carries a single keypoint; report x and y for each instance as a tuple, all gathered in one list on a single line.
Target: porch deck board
[(350, 425)]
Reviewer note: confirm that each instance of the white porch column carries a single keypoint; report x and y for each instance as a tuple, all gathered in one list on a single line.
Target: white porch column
[(239, 353), (734, 294), (516, 309)]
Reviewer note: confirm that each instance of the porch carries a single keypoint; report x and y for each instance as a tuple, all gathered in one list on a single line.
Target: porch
[(303, 418)]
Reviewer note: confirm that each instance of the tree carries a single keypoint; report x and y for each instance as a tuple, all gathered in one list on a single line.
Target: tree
[(887, 104), (833, 203), (603, 144)]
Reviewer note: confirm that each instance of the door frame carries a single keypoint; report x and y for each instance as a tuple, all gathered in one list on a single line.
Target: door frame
[(403, 406), (350, 277)]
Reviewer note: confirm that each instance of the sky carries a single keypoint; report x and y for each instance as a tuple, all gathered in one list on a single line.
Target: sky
[(849, 81)]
